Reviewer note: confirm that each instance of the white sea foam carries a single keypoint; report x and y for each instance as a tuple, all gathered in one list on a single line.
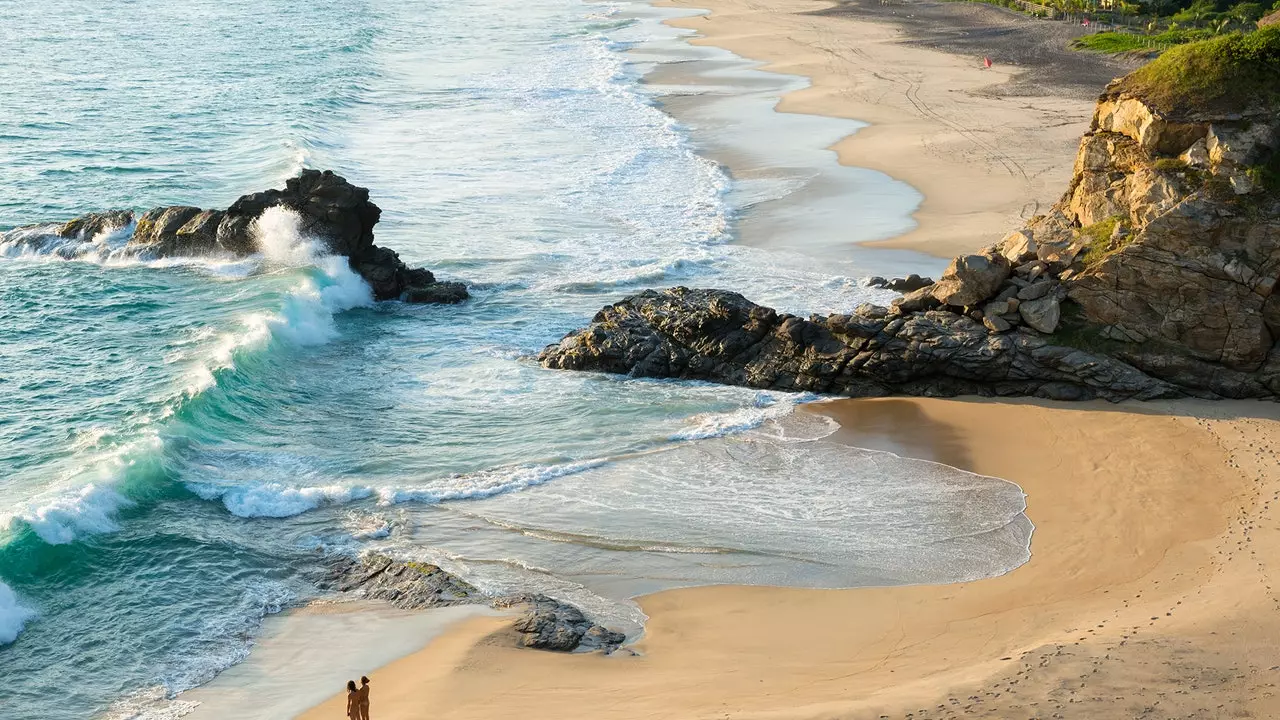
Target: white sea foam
[(767, 406), (486, 483), (60, 517), (307, 315), (275, 500), (13, 615)]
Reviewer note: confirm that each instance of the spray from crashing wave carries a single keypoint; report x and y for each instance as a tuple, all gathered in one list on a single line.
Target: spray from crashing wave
[(13, 615)]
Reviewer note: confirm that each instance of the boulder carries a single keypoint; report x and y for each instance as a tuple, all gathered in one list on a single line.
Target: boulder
[(1043, 314), (904, 285), (1196, 156), (922, 299), (1018, 247), (970, 279), (1036, 290), (909, 283), (408, 585), (549, 624), (995, 323)]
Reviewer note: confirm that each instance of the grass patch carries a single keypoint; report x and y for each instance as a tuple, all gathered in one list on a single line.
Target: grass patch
[(1120, 42), (1170, 165), (1099, 237), (1230, 72), (1267, 175)]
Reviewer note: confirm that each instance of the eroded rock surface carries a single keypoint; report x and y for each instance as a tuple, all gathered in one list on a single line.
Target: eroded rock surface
[(330, 209), (723, 337)]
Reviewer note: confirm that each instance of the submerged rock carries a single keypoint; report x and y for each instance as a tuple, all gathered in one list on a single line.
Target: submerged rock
[(329, 208), (908, 284), (546, 624)]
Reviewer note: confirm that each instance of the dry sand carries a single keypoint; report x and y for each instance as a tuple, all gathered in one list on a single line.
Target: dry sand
[(1149, 593), (984, 159)]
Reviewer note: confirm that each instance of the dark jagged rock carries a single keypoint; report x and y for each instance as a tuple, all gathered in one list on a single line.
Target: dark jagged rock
[(407, 585), (723, 337), (547, 623), (330, 209), (908, 284), (87, 226)]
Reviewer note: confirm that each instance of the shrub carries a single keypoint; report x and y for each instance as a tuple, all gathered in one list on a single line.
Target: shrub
[(1230, 72), (1118, 42)]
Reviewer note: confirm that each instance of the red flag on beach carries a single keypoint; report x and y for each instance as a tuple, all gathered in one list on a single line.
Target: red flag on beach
[(986, 63)]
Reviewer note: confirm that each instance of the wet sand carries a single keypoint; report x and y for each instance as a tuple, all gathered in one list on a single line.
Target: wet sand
[(1149, 593), (986, 148)]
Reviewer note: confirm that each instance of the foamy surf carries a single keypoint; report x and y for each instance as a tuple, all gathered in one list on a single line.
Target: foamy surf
[(61, 515), (767, 406), (14, 616), (484, 484)]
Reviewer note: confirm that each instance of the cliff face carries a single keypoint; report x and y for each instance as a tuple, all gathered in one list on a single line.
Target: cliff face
[(1175, 232), (1155, 275)]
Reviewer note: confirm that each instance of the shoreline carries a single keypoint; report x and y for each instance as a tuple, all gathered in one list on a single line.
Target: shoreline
[(983, 160), (1144, 580)]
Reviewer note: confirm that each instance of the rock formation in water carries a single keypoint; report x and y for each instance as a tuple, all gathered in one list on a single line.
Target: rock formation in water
[(1154, 276), (330, 208), (545, 624)]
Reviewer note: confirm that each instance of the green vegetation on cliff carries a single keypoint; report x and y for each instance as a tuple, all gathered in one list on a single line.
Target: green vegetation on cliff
[(1230, 72), (1118, 42)]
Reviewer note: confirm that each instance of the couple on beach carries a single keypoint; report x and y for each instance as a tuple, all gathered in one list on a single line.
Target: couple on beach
[(358, 699)]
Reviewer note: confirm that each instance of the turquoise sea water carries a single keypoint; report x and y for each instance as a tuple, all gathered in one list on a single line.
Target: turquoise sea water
[(180, 440)]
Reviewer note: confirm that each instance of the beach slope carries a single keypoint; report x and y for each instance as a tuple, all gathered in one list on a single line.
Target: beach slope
[(1150, 586)]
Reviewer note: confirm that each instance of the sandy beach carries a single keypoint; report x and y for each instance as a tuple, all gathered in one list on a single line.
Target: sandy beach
[(986, 148), (1149, 593)]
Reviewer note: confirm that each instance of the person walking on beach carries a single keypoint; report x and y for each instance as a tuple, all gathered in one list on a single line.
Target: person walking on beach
[(362, 697), (353, 701)]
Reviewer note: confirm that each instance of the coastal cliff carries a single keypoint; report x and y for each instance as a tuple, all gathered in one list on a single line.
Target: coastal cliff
[(1154, 276), (329, 208)]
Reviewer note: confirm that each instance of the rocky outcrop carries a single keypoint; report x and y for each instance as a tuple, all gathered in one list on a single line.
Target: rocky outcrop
[(1155, 275), (545, 623), (408, 585), (722, 337), (1178, 225), (330, 209)]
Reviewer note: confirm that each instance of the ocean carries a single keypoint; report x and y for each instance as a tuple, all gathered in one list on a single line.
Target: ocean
[(182, 440)]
